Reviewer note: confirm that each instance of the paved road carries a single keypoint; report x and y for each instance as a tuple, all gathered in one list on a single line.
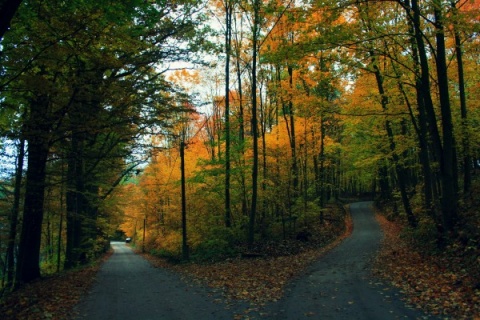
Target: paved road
[(338, 286), (128, 287)]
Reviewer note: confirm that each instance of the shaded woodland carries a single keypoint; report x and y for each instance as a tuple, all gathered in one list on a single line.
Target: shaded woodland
[(285, 109)]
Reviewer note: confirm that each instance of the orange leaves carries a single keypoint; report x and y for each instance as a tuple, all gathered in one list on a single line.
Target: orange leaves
[(185, 77)]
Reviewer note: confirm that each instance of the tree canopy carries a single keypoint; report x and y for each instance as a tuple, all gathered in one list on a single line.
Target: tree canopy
[(292, 107)]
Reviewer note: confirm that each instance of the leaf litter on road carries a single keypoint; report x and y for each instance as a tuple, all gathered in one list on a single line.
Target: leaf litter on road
[(429, 283), (257, 280)]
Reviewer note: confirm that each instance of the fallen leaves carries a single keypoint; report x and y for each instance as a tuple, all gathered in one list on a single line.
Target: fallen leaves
[(49, 298), (437, 284), (257, 280), (262, 279)]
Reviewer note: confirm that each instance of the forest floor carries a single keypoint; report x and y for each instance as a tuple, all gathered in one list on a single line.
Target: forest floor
[(51, 297), (435, 284), (440, 284), (262, 275)]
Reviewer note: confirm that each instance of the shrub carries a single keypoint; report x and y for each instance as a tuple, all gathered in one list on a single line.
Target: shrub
[(214, 250)]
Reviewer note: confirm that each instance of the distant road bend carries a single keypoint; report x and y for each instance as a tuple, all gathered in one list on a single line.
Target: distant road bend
[(338, 286)]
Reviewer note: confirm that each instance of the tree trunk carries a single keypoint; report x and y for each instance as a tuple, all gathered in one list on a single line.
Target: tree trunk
[(422, 132), (28, 265), (426, 109), (60, 223), (263, 129), (228, 45), (241, 122), (14, 216), (321, 175), (467, 159), (76, 203), (253, 208), (425, 82), (185, 254), (293, 145), (448, 164), (399, 169)]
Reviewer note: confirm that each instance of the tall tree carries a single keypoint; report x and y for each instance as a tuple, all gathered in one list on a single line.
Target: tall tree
[(53, 66), (448, 163), (14, 217), (255, 41), (229, 8), (39, 139), (467, 159)]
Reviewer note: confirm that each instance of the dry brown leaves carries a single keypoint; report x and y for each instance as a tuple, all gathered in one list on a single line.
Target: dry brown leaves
[(257, 280), (49, 298), (435, 284)]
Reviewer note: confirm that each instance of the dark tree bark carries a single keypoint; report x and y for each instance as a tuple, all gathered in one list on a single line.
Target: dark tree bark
[(264, 121), (228, 50), (76, 202), (185, 253), (448, 164), (241, 123), (422, 130), (399, 169), (12, 235), (424, 82), (427, 116), (293, 144), (37, 136), (253, 208), (467, 158), (60, 223)]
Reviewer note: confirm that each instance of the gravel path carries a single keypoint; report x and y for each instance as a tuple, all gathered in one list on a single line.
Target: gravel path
[(338, 286)]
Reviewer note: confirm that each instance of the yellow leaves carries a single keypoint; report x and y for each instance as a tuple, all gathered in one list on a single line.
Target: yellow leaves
[(184, 75)]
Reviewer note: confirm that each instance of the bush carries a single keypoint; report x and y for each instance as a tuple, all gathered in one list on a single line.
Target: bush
[(214, 250), (174, 257), (424, 237)]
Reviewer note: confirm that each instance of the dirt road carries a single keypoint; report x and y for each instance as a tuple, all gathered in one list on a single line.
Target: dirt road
[(338, 286)]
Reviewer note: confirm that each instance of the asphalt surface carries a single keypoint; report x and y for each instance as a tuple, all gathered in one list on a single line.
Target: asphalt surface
[(129, 287), (338, 286)]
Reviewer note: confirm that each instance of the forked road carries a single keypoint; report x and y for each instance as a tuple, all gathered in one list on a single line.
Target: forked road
[(338, 286)]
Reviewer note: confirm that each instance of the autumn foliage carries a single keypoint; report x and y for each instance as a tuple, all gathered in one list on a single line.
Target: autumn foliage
[(106, 132)]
